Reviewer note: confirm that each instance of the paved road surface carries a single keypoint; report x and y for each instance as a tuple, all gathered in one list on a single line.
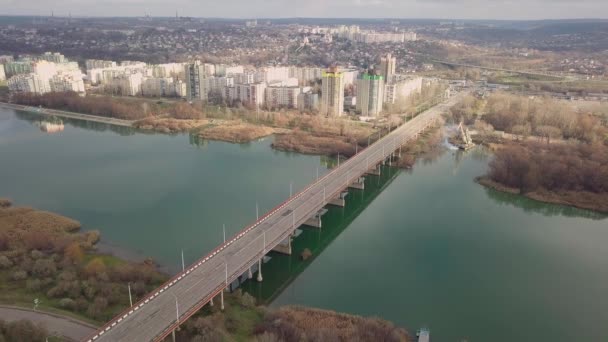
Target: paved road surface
[(162, 310), (57, 325)]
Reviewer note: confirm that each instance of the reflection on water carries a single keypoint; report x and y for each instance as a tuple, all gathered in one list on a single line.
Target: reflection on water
[(280, 270), (36, 118), (547, 209)]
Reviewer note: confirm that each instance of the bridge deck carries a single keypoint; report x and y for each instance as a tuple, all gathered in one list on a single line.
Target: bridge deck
[(155, 316)]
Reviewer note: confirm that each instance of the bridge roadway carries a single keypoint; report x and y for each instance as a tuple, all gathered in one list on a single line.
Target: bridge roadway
[(156, 316)]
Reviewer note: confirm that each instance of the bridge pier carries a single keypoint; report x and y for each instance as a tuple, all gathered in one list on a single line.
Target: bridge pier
[(260, 271), (314, 221), (358, 184), (211, 302), (173, 334), (283, 248), (375, 171), (222, 300), (249, 274), (340, 201)]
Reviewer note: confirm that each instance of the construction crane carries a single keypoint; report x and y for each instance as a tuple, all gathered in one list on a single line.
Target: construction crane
[(467, 142)]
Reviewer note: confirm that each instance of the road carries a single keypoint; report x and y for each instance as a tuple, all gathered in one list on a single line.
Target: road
[(66, 327), (172, 303), (69, 115)]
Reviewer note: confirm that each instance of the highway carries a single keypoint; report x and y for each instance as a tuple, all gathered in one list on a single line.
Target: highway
[(161, 311)]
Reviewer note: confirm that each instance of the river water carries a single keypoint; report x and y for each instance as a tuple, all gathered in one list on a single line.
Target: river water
[(422, 248)]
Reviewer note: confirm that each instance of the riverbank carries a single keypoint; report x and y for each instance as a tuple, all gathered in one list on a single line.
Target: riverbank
[(242, 320), (428, 146), (578, 199), (69, 115), (44, 257), (306, 143)]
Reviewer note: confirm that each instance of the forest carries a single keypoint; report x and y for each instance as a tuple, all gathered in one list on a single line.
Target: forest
[(546, 118), (554, 167)]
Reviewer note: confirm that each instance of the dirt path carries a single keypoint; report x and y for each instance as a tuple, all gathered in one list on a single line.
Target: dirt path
[(67, 327)]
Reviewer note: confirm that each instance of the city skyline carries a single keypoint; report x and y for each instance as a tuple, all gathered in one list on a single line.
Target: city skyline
[(240, 9)]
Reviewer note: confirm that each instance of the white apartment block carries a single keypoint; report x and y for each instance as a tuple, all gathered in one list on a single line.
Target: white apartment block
[(401, 89), (166, 70), (28, 83), (54, 57), (370, 95), (98, 64), (244, 78), (349, 75), (307, 100), (250, 94), (223, 69), (282, 97), (270, 74), (214, 84), (157, 87), (67, 82), (126, 85), (305, 75)]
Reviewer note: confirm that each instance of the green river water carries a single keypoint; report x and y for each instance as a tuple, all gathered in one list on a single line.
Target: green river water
[(422, 248)]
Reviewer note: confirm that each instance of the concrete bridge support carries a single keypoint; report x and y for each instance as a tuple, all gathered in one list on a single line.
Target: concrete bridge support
[(340, 201), (375, 171), (358, 184), (222, 300), (249, 273), (284, 247), (315, 221), (260, 271)]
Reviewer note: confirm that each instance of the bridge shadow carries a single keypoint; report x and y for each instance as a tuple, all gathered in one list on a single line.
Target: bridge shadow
[(280, 270)]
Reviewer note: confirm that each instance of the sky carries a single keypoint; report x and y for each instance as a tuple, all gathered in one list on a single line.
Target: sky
[(448, 9)]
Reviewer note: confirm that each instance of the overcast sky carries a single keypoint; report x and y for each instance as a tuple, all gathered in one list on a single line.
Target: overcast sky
[(456, 9)]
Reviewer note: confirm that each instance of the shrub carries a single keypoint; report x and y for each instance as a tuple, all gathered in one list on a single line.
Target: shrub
[(95, 267), (73, 252), (67, 303), (44, 267), (24, 330), (5, 262), (33, 285), (36, 254), (19, 275)]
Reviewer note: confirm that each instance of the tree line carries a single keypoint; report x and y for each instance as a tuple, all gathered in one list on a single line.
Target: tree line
[(555, 167)]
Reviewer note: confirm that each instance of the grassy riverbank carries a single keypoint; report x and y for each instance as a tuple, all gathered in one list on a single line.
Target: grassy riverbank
[(43, 256), (242, 320), (578, 199)]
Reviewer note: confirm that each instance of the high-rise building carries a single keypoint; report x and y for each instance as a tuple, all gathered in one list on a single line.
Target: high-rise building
[(67, 82), (282, 97), (307, 100), (54, 57), (370, 94), (28, 83), (193, 80), (401, 88), (332, 93), (387, 67)]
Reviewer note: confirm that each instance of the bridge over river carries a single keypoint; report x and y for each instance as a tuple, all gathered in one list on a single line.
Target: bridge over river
[(160, 312)]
